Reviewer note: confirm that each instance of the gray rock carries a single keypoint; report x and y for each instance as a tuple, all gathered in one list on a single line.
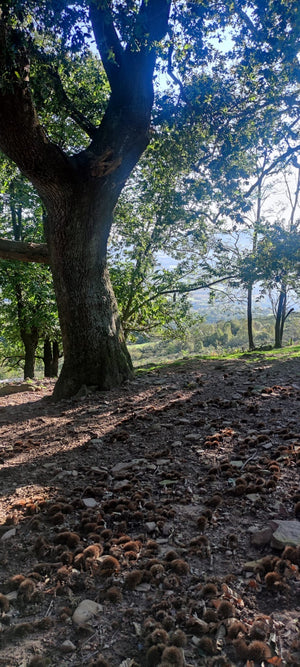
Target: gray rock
[(85, 612), (8, 534), (151, 526), (89, 502), (68, 647), (237, 463), (261, 537), (287, 533), (119, 467), (121, 484), (254, 497)]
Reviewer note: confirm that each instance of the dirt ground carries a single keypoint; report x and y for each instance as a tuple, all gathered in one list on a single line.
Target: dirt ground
[(153, 502)]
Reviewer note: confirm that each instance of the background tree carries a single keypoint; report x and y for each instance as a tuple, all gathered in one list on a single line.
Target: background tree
[(28, 309), (279, 256)]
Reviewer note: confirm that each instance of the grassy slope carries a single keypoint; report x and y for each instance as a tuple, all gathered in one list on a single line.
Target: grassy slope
[(282, 354)]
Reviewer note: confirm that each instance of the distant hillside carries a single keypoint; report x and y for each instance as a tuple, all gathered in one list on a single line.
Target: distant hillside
[(223, 308)]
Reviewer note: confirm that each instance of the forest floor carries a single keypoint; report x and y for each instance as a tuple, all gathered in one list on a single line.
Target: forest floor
[(157, 503)]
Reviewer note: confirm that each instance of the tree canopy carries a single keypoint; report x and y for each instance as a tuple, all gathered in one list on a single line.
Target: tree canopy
[(233, 69)]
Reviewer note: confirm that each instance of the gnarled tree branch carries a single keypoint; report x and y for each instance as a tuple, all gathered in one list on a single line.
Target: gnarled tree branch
[(22, 138), (25, 252), (69, 105), (107, 39)]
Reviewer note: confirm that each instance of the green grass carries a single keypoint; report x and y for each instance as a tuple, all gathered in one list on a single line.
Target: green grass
[(289, 352)]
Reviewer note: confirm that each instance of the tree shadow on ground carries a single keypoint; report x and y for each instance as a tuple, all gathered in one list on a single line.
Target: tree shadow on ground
[(147, 461)]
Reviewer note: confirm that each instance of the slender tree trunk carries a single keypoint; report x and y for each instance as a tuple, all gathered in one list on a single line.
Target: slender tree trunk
[(30, 340), (55, 359), (280, 317), (95, 353), (254, 249), (47, 358), (29, 335), (50, 358), (249, 318)]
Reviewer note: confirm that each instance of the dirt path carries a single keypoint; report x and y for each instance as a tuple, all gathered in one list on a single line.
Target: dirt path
[(170, 482)]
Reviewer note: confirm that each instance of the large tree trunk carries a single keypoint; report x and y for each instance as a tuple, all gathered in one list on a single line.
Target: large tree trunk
[(95, 353), (30, 340)]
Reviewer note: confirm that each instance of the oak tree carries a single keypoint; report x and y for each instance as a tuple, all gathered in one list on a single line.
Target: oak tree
[(80, 188), (79, 191)]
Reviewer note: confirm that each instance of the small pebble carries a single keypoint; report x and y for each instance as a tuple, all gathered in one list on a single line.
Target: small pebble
[(68, 647)]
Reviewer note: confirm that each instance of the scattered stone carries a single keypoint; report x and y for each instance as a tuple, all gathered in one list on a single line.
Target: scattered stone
[(287, 533), (68, 647), (8, 534), (192, 437), (85, 611), (237, 463), (167, 528), (261, 537), (151, 526), (121, 485), (254, 497), (12, 595), (96, 442), (119, 467), (89, 502), (143, 588)]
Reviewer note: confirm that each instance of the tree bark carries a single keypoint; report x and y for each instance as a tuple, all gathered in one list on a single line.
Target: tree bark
[(55, 359), (30, 340), (249, 319), (95, 353), (47, 358), (50, 358), (280, 317), (25, 252)]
